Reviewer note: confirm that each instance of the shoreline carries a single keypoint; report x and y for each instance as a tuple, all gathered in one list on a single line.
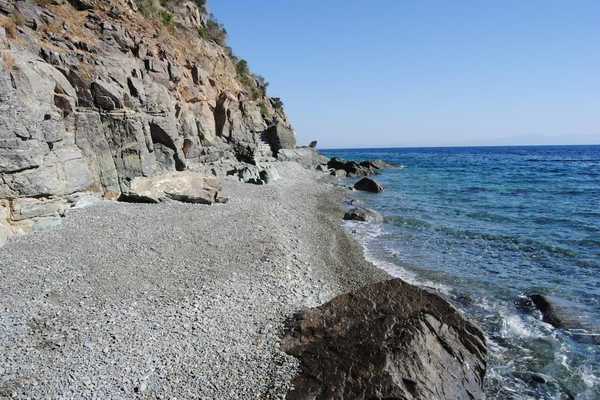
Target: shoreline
[(130, 299)]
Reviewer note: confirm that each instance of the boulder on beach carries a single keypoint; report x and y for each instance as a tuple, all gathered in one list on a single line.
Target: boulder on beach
[(280, 136), (388, 340), (368, 185), (363, 214), (185, 186), (308, 157)]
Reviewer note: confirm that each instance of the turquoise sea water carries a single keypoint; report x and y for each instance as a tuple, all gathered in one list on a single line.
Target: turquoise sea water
[(487, 226)]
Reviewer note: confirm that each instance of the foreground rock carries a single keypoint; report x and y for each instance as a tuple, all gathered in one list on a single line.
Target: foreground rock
[(187, 187), (363, 214), (389, 340), (368, 185)]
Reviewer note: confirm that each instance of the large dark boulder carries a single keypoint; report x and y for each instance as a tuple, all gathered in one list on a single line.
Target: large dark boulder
[(389, 340), (368, 185), (335, 163)]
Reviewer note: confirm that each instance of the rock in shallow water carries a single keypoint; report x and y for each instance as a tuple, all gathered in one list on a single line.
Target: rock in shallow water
[(389, 340), (368, 185), (363, 214), (563, 314)]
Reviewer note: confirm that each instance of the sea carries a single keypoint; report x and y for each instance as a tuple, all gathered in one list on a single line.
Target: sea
[(486, 227)]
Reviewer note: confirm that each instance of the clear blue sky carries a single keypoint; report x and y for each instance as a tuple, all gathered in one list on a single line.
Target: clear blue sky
[(356, 73)]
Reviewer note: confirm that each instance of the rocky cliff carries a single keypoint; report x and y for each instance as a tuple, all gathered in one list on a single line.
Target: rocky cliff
[(94, 93)]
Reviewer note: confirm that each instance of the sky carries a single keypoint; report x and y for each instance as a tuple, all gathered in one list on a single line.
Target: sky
[(357, 73)]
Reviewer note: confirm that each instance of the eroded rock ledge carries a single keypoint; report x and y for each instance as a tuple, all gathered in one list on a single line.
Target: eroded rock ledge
[(389, 340)]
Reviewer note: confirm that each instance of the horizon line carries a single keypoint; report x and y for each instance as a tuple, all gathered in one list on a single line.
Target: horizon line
[(453, 146)]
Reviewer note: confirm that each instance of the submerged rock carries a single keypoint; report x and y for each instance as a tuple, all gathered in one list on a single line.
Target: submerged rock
[(363, 214), (389, 340), (555, 312), (368, 185), (563, 314)]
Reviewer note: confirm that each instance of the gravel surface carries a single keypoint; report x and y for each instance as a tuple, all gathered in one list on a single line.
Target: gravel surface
[(173, 301)]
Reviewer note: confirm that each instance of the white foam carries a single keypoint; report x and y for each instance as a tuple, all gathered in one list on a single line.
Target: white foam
[(588, 377), (591, 381), (365, 233), (513, 325)]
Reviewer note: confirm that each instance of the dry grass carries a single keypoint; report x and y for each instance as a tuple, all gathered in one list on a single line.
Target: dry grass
[(86, 71), (9, 26), (8, 61), (75, 20), (18, 19)]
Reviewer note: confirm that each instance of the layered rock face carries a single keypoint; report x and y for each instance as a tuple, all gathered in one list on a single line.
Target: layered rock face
[(95, 93), (389, 340)]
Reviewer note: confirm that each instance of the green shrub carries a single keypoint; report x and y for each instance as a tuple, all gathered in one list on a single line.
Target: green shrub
[(166, 18), (214, 31), (242, 68), (148, 8), (277, 103), (263, 109), (201, 4), (262, 84)]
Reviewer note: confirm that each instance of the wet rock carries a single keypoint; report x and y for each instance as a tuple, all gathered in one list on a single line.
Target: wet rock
[(389, 340), (555, 311), (376, 164), (363, 214), (534, 378), (354, 168), (368, 185), (563, 314)]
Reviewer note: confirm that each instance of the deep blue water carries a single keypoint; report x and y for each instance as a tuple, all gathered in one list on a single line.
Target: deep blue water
[(488, 225)]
